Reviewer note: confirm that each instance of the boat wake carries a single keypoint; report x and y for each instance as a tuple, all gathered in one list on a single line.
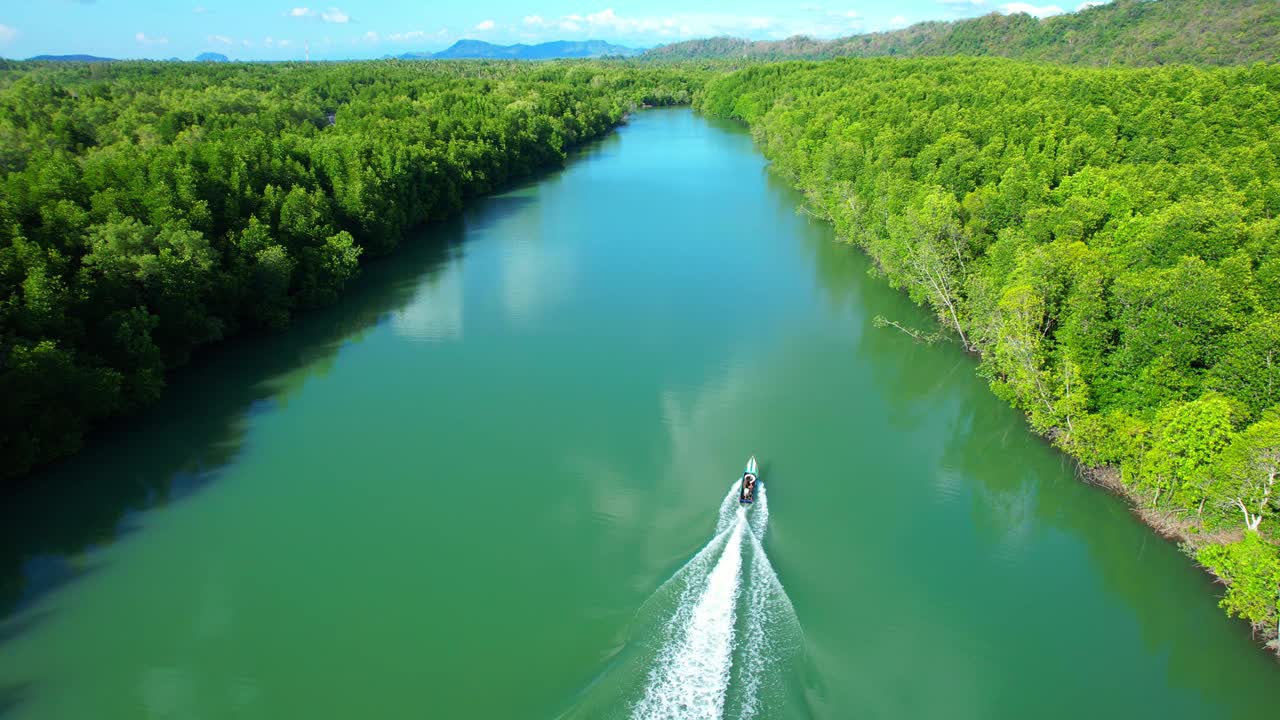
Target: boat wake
[(728, 630)]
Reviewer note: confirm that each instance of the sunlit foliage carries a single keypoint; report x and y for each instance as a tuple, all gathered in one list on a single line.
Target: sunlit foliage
[(147, 209), (1107, 239)]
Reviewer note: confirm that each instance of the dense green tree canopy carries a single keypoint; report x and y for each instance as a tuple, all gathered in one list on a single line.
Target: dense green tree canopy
[(1108, 240), (147, 209)]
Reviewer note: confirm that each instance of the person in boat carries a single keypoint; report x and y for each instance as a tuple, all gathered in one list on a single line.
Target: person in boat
[(748, 487)]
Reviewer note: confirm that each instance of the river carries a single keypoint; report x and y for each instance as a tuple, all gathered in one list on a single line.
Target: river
[(465, 490)]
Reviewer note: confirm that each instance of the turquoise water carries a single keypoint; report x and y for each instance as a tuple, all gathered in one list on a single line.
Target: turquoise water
[(492, 484)]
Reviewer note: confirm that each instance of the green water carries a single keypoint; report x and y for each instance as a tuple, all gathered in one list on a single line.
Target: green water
[(457, 494)]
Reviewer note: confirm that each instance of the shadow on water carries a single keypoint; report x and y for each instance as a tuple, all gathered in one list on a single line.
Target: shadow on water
[(181, 444), (10, 698), (53, 520), (19, 624), (171, 450)]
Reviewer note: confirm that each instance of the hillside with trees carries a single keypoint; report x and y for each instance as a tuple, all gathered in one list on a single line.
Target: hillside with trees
[(1122, 32), (148, 209), (1107, 240)]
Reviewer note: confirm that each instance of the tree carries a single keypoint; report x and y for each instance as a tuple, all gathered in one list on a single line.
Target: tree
[(1189, 438), (925, 249), (149, 209), (1018, 356), (1174, 317), (1249, 368), (1247, 471), (50, 399), (325, 269), (270, 272), (1251, 570), (1113, 258)]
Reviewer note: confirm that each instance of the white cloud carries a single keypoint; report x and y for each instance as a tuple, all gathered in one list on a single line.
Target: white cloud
[(407, 36), (897, 21), (332, 15), (370, 37), (221, 39), (7, 33), (956, 9), (285, 43), (1032, 10), (608, 22), (150, 39), (199, 10), (833, 13)]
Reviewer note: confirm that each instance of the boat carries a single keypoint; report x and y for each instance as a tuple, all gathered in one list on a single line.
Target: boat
[(750, 481)]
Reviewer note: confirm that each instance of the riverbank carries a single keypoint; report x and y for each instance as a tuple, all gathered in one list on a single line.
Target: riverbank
[(182, 218), (287, 494), (1188, 534), (1122, 302)]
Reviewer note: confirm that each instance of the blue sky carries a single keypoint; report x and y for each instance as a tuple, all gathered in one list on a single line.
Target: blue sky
[(270, 30)]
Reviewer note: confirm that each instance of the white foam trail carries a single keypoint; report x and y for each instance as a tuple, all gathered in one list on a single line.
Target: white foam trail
[(753, 651), (771, 633), (729, 508), (760, 515), (757, 616), (692, 674), (707, 667), (728, 513)]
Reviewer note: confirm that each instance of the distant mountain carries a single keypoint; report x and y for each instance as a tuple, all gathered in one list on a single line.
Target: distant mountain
[(71, 58), (212, 57), (480, 50), (1122, 32)]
